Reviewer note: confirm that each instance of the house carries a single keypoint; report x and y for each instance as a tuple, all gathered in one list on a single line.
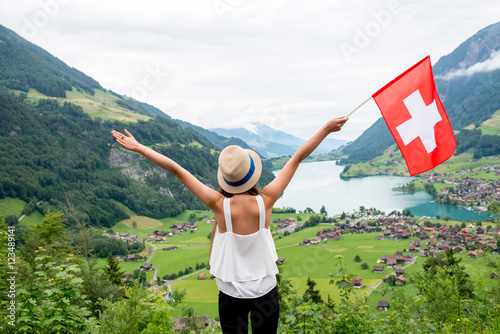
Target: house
[(378, 269), (169, 248), (422, 253), (391, 262), (201, 322), (382, 305), (191, 226), (405, 235), (316, 240), (201, 276), (400, 280), (399, 271), (131, 258), (178, 226), (146, 267), (412, 248), (357, 282), (380, 237), (494, 275), (472, 255), (158, 232)]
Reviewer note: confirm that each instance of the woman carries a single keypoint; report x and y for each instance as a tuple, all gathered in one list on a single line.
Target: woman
[(243, 256)]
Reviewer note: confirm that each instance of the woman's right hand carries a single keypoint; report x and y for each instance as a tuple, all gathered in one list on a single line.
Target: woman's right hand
[(336, 124), (127, 141)]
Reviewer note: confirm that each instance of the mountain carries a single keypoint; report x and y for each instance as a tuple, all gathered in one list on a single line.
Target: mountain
[(468, 82), (272, 143), (56, 149), (218, 141), (24, 66)]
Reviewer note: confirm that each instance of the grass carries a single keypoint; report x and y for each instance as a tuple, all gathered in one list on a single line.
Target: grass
[(389, 163), (316, 261), (200, 294), (125, 226), (14, 206), (173, 261), (11, 206), (143, 223), (102, 104), (490, 126)]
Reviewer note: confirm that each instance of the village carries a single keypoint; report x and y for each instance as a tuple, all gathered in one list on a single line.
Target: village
[(466, 190)]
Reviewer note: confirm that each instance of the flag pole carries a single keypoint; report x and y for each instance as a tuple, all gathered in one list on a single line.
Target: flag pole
[(352, 112)]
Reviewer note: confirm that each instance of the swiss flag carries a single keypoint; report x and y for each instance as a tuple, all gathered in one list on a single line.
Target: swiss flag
[(416, 118)]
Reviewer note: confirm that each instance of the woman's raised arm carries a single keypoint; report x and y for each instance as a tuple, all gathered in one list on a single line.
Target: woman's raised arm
[(206, 194), (273, 190)]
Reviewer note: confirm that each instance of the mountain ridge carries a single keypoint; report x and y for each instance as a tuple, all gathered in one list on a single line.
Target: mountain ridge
[(272, 143)]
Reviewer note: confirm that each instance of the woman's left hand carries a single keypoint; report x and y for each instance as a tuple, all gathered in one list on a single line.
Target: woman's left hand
[(127, 141)]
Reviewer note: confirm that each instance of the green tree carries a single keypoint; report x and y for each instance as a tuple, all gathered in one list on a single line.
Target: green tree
[(286, 293), (53, 302), (494, 206), (357, 258), (113, 272), (364, 265), (50, 235), (11, 220), (323, 210), (311, 295), (134, 224), (141, 311), (142, 278)]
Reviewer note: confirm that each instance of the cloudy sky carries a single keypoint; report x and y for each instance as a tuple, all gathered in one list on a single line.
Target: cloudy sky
[(226, 63)]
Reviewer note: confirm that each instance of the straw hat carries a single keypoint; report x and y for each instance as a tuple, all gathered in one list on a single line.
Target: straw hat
[(239, 169)]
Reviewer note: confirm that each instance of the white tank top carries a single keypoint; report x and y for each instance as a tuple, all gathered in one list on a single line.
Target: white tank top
[(244, 265)]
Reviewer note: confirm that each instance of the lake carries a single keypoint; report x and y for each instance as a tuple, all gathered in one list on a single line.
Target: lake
[(319, 183)]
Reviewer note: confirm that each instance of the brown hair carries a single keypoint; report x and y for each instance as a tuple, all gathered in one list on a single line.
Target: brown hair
[(254, 191)]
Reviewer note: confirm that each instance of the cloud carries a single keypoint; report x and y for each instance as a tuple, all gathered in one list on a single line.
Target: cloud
[(276, 62), (490, 64)]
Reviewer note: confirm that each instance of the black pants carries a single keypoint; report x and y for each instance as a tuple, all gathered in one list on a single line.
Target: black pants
[(264, 313)]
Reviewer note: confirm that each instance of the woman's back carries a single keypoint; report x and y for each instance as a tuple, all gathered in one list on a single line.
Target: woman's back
[(244, 215)]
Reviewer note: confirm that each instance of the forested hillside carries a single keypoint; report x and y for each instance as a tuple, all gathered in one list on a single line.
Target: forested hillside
[(24, 65), (53, 152), (470, 98)]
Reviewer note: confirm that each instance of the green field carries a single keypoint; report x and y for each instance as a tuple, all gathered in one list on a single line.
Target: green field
[(490, 126), (143, 223), (102, 104), (14, 206), (315, 261), (125, 226), (392, 163)]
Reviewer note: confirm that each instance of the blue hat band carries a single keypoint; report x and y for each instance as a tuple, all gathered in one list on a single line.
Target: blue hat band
[(245, 178)]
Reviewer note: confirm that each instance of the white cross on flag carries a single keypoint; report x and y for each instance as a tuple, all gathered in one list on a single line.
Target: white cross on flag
[(416, 118)]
